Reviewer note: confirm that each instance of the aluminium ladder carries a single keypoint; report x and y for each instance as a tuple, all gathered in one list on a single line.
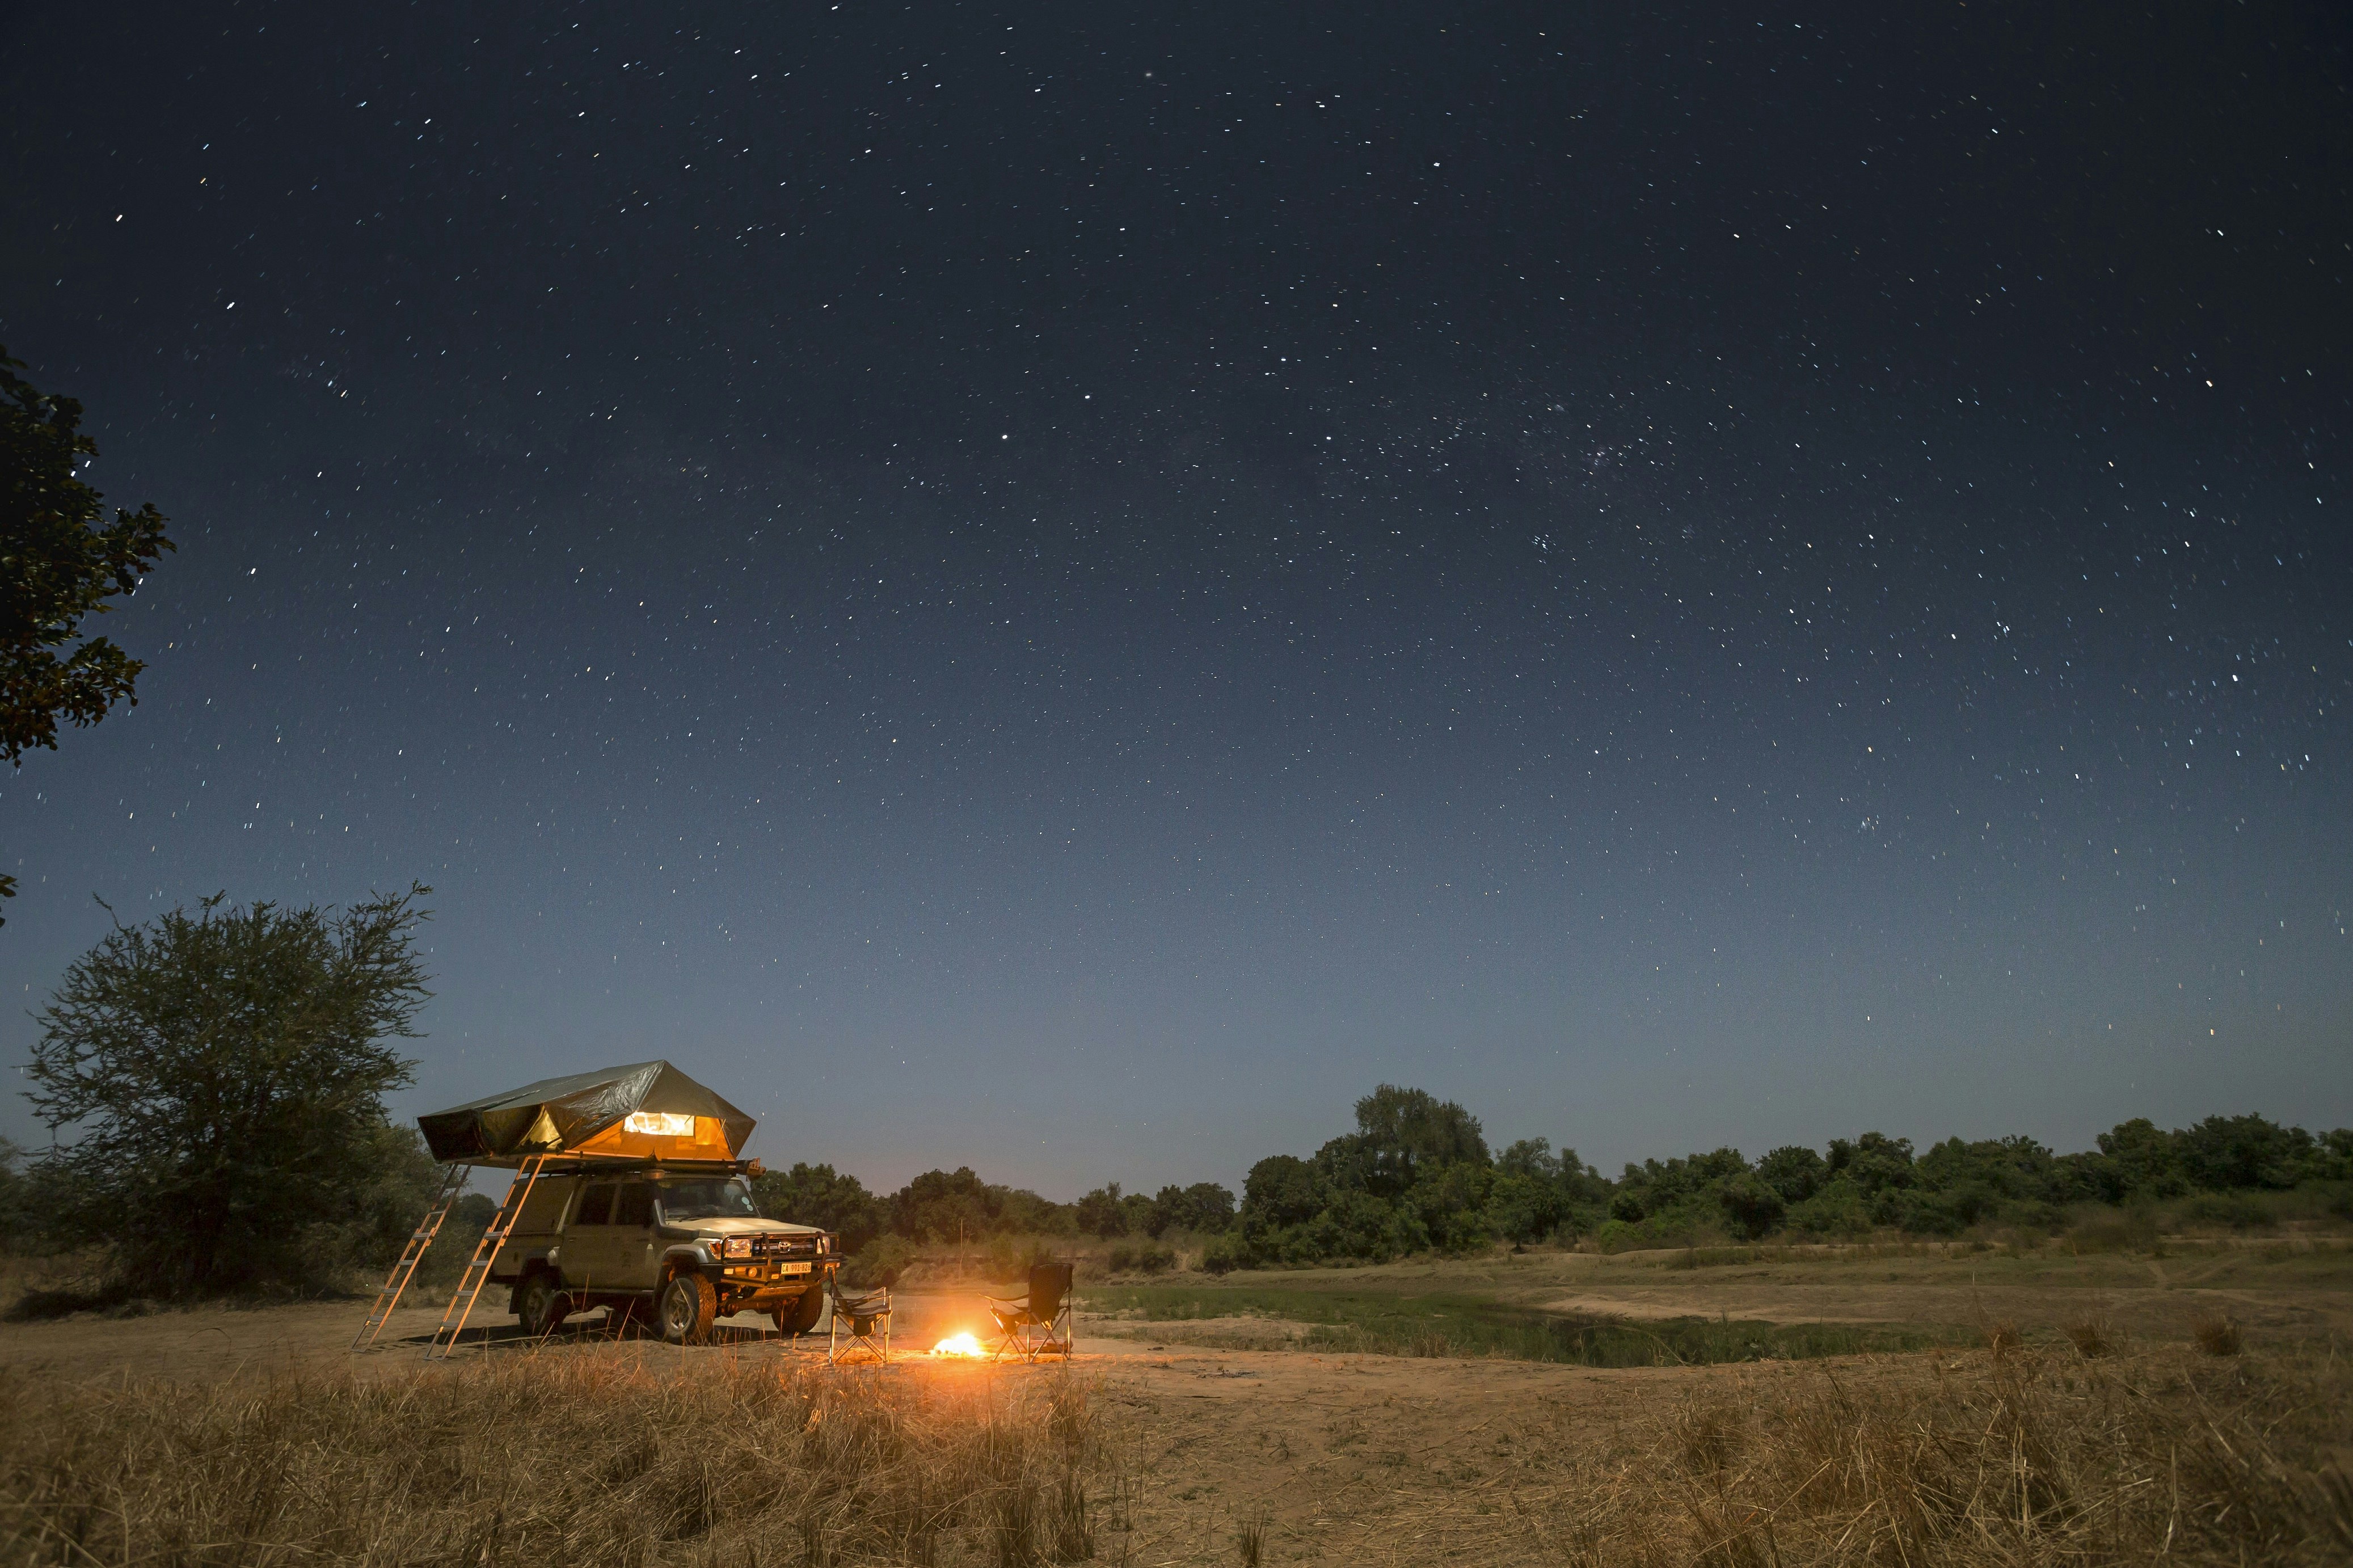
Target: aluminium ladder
[(453, 1185), (444, 1342)]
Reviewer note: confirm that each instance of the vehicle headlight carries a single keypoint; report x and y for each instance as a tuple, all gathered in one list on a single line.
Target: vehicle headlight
[(825, 1244), (737, 1247)]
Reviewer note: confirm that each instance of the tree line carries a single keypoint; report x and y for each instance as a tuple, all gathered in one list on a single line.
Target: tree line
[(215, 1079), (1417, 1175), (942, 1207)]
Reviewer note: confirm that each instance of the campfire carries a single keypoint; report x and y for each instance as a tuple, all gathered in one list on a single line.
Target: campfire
[(962, 1344)]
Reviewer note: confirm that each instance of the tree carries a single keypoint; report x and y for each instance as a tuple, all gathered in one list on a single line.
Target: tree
[(1752, 1206), (1103, 1211), (222, 1074), (58, 563), (822, 1196), (1532, 1158), (1281, 1190), (1794, 1171), (2223, 1152), (945, 1206), (1874, 1162), (1203, 1207), (1406, 1130), (2143, 1159), (16, 1218)]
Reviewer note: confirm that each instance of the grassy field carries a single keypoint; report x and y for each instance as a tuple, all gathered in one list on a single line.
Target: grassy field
[(1706, 1306), (1893, 1403), (1442, 1324)]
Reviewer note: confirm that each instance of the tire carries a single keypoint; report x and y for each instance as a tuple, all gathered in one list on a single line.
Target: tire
[(686, 1309), (799, 1315), (540, 1306)]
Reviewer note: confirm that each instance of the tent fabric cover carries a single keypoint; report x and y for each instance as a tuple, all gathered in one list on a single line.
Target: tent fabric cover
[(502, 1128)]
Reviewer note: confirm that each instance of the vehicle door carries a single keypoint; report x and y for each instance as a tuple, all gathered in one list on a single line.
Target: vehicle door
[(587, 1247), (636, 1249)]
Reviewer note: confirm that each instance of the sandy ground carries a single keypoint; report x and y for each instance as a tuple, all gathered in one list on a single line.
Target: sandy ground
[(1338, 1458)]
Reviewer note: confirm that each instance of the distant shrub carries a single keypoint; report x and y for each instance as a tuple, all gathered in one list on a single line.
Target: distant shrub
[(1752, 1208), (2237, 1211), (2132, 1230), (1679, 1228), (1150, 1257), (1835, 1211), (1616, 1235), (1009, 1258), (2037, 1215), (1223, 1254), (879, 1262), (1920, 1213)]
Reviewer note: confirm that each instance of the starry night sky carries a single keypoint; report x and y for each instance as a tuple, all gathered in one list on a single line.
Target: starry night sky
[(1067, 587)]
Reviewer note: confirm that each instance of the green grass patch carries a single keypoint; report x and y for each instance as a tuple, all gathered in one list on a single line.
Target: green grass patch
[(1440, 1324)]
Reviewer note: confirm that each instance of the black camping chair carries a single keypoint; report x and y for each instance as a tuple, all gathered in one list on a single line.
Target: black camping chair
[(861, 1324), (1039, 1323)]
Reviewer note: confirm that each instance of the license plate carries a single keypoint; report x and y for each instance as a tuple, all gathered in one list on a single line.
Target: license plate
[(793, 1269)]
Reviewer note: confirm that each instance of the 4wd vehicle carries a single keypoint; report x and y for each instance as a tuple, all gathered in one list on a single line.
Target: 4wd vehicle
[(681, 1246)]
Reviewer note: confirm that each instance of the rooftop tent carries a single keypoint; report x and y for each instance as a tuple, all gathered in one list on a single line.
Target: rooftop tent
[(644, 1111)]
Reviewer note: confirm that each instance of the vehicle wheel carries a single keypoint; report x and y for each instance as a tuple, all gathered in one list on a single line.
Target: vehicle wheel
[(542, 1307), (799, 1315), (689, 1305)]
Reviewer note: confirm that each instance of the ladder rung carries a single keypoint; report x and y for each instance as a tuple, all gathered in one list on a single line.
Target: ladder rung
[(437, 1213)]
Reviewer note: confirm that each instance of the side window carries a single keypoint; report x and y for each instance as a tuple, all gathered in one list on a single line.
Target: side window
[(596, 1208), (637, 1205)]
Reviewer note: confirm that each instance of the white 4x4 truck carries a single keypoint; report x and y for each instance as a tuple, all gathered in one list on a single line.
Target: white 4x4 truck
[(679, 1246)]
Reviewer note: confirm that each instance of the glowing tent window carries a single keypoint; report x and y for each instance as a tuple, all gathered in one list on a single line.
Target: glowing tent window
[(660, 1123)]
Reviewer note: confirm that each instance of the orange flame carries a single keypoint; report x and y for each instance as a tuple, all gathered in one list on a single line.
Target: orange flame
[(962, 1344)]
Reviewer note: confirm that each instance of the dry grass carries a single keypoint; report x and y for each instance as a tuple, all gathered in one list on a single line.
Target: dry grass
[(595, 1456), (2011, 1459), (553, 1459), (1250, 1541), (2217, 1334), (2092, 1336)]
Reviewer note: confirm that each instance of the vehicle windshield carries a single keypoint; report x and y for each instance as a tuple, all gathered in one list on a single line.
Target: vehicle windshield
[(705, 1200)]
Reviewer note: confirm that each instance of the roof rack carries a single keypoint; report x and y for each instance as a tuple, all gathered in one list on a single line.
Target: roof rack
[(652, 1164)]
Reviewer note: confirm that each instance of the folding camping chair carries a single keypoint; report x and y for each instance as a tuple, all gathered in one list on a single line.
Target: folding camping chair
[(860, 1323), (1039, 1323)]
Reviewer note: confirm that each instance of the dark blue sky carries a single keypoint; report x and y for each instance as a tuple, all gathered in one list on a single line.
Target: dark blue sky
[(1068, 591)]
